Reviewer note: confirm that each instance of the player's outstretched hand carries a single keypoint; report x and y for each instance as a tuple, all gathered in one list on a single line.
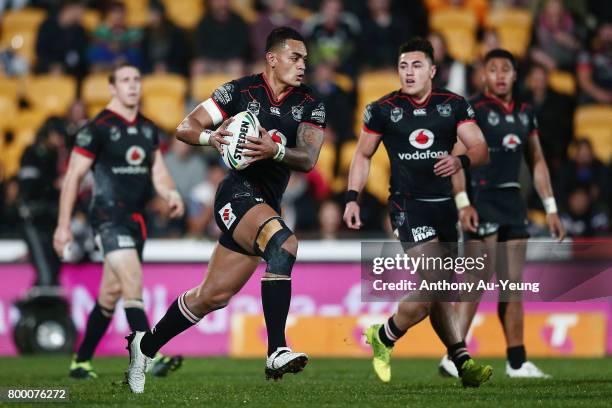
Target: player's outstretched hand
[(175, 202), (217, 139), (260, 148), (447, 166), (61, 238), (468, 218), (351, 215), (555, 226)]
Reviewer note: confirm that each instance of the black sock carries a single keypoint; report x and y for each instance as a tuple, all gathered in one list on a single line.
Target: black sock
[(275, 299), (135, 314), (516, 356), (97, 323), (459, 354), (177, 319), (389, 333)]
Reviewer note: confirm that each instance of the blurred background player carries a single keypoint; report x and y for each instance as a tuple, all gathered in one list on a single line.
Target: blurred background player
[(499, 214), (418, 126), (121, 146), (247, 203)]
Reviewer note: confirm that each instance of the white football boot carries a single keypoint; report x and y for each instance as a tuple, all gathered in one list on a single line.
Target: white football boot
[(447, 367), (527, 370), (139, 363), (283, 361)]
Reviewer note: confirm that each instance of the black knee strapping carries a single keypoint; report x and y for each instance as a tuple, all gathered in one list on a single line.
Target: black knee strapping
[(268, 244)]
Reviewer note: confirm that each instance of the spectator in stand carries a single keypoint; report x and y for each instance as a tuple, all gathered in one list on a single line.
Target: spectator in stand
[(163, 44), (330, 219), (222, 41), (582, 219), (383, 33), (475, 72), (277, 14), (339, 127), (450, 74), (114, 42), (595, 68), (555, 114), (61, 44), (556, 37), (200, 205), (586, 172), (185, 166), (332, 36)]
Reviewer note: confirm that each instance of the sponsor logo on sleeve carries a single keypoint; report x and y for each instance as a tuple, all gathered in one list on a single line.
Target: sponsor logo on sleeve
[(84, 137), (223, 94), (318, 114)]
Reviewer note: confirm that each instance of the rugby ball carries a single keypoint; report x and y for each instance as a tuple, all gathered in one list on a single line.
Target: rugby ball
[(244, 125)]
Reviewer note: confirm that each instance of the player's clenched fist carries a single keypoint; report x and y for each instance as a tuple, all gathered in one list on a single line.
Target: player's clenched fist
[(351, 215)]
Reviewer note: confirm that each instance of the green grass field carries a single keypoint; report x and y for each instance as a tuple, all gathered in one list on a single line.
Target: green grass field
[(223, 382)]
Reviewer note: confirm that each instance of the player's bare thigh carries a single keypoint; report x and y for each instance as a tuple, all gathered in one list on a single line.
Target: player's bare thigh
[(110, 288), (227, 273), (125, 264)]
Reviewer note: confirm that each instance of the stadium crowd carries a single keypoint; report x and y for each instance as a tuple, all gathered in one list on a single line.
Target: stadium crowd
[(191, 46)]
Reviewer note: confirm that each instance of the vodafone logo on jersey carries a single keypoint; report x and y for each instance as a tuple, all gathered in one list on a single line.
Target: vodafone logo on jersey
[(511, 141), (135, 155), (421, 138)]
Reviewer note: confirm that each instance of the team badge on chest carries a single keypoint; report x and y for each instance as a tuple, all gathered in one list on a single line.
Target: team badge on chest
[(397, 114), (444, 110), (493, 118), (524, 119), (297, 112), (253, 107)]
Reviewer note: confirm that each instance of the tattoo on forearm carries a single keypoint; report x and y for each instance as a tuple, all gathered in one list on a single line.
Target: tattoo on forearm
[(304, 156)]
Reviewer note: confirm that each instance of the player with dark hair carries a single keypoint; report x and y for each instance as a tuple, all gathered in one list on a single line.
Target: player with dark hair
[(419, 127), (247, 203), (121, 146), (499, 214)]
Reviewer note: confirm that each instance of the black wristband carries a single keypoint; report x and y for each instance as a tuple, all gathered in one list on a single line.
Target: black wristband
[(465, 161), (351, 195)]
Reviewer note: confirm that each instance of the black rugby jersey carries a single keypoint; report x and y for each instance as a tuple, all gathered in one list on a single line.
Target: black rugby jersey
[(280, 118), (415, 135), (506, 131), (123, 154)]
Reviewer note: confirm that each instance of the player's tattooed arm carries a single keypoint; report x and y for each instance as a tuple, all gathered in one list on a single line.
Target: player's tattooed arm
[(303, 157), (199, 120)]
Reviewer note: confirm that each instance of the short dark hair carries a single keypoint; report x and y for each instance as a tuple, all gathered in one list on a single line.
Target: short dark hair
[(418, 44), (500, 53), (111, 75), (281, 34)]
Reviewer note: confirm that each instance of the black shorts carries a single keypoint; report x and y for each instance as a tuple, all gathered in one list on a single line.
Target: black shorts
[(130, 233), (500, 211), (235, 197), (416, 221)]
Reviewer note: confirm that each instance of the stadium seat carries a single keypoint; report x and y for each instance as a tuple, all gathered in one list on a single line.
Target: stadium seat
[(8, 109), (594, 122), (94, 90), (137, 12), (346, 156), (164, 84), (26, 123), (458, 26), (9, 87), (204, 85), (245, 9), (91, 19), (325, 164), (11, 158), (562, 82), (184, 13), (370, 87), (166, 111), (27, 19), (513, 25), (52, 93), (537, 217), (378, 181), (23, 42)]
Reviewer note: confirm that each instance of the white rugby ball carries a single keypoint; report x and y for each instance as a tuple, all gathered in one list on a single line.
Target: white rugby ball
[(244, 125)]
